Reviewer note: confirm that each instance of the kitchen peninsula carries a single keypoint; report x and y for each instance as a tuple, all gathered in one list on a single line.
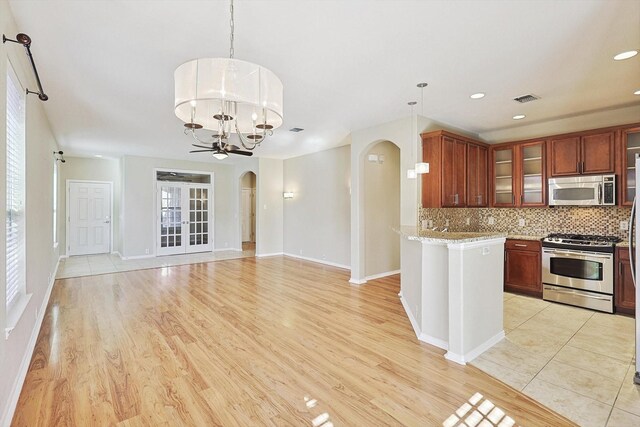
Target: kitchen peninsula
[(451, 288)]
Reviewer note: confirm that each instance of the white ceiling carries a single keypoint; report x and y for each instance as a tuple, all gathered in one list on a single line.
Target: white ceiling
[(108, 66)]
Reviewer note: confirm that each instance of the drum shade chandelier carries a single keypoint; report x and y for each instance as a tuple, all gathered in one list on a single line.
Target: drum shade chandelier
[(226, 95)]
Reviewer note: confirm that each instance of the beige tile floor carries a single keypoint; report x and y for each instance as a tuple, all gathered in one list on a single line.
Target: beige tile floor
[(577, 362), (109, 263)]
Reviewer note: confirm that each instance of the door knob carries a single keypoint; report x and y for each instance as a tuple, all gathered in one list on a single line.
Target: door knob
[(107, 222)]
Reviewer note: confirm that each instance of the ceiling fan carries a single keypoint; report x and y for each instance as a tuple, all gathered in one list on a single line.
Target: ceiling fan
[(221, 150)]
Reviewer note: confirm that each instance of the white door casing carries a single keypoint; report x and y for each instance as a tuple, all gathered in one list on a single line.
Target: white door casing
[(246, 215), (89, 217)]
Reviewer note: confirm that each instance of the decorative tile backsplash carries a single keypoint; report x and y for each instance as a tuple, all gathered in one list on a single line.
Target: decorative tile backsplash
[(537, 221)]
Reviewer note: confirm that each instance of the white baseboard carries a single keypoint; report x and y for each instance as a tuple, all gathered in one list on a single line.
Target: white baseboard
[(14, 395), (271, 254), (463, 359), (414, 323), (381, 275), (357, 282), (137, 257), (227, 249), (440, 343), (63, 257), (117, 253), (319, 261)]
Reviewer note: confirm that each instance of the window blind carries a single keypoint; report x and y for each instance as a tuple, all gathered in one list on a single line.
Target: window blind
[(15, 237)]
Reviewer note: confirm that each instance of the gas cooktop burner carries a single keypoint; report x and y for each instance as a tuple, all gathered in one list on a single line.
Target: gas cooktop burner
[(584, 241)]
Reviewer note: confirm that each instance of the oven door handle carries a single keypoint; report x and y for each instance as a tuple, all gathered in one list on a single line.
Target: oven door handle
[(580, 294), (564, 253)]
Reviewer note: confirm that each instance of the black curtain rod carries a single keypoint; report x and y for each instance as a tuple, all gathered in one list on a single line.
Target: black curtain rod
[(25, 40)]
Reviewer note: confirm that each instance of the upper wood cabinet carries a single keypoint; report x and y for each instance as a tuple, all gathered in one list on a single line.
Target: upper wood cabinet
[(477, 173), (451, 175), (582, 154), (518, 175), (630, 146)]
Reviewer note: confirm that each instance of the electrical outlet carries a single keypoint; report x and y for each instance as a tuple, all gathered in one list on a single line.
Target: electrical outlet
[(146, 251), (430, 225), (424, 224), (491, 220), (521, 222), (300, 251), (624, 225), (446, 222), (468, 221)]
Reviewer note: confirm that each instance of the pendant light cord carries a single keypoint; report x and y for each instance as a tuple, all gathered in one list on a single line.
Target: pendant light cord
[(232, 25)]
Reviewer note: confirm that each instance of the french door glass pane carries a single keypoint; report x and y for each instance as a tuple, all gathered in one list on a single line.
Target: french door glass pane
[(199, 216), (170, 217)]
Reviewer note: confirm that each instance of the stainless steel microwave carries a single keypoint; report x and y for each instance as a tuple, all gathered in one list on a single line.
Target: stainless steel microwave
[(593, 190)]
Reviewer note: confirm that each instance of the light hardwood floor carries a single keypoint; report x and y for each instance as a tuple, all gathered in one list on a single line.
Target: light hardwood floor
[(246, 342)]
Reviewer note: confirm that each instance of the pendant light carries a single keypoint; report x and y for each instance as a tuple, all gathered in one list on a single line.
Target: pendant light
[(421, 167), (228, 96), (411, 173)]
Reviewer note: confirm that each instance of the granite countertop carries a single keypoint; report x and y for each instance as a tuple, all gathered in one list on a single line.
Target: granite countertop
[(623, 244), (413, 233), (526, 236)]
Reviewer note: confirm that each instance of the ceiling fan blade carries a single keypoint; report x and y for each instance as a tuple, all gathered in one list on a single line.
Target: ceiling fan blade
[(202, 146), (201, 151), (231, 147), (242, 153)]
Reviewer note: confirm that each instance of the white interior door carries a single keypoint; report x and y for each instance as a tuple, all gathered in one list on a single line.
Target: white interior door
[(184, 218), (89, 218), (246, 215)]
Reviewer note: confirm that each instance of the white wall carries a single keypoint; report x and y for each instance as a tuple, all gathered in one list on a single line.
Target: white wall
[(405, 133), (89, 169), (15, 352), (138, 209), (382, 210), (269, 209), (317, 219)]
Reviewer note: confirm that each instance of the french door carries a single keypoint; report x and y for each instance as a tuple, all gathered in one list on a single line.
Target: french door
[(184, 217)]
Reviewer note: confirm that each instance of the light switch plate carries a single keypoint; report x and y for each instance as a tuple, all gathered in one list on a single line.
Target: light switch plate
[(624, 225), (521, 222), (446, 222), (491, 220), (468, 221)]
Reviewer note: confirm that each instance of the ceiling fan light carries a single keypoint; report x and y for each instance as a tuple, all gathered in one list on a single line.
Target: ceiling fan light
[(220, 155)]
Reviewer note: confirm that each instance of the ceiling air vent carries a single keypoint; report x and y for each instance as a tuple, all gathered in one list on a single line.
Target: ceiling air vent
[(526, 98), (296, 129)]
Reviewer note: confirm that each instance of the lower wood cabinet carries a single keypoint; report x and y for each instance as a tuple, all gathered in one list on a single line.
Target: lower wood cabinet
[(624, 291), (522, 267)]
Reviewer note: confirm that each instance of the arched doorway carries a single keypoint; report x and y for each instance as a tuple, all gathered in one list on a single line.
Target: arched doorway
[(248, 211), (381, 209)]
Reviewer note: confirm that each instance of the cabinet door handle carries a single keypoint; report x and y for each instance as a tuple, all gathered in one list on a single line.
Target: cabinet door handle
[(522, 199), (578, 167), (455, 199), (513, 199), (520, 245)]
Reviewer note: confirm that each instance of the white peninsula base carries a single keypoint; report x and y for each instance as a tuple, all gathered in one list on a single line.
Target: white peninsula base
[(451, 288)]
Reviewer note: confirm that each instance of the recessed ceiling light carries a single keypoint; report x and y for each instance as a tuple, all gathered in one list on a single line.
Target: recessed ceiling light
[(637, 92), (97, 155), (477, 95), (519, 117), (625, 55)]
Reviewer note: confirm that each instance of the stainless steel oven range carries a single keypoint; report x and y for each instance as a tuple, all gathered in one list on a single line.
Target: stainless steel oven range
[(579, 270)]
